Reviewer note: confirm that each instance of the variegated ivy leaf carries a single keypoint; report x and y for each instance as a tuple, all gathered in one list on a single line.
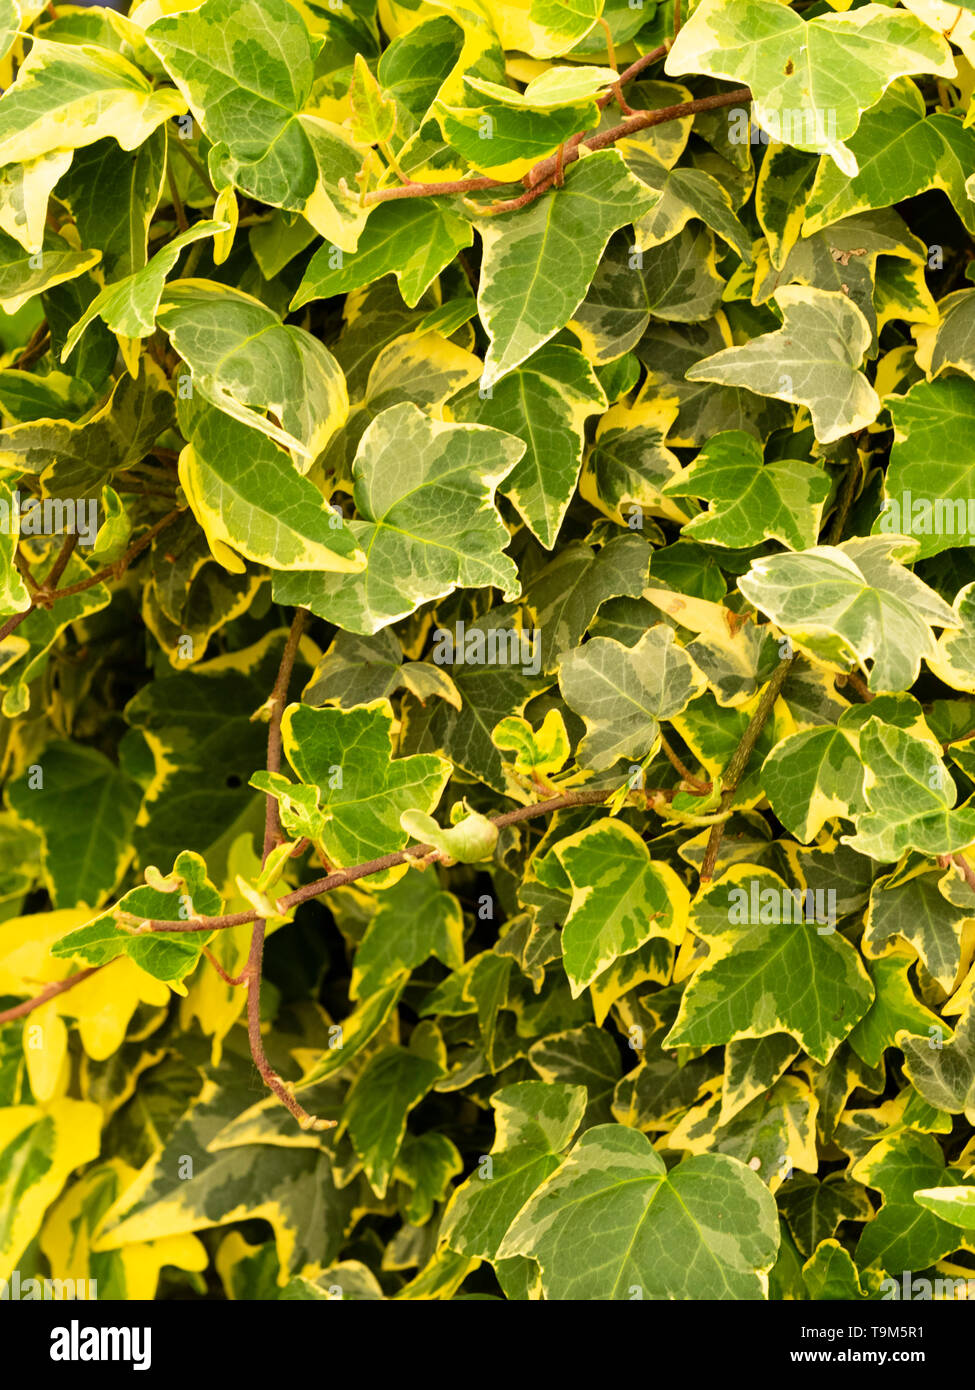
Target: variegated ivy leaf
[(909, 795), (930, 481), (854, 602), (9, 24), (537, 266), (682, 193), (751, 501), (249, 364), (900, 151), (24, 193), (413, 238), (72, 94), (810, 79), (42, 1145), (14, 597), (813, 359), (953, 1204), (503, 133), (816, 774), (535, 1122), (613, 1223), (770, 968), (22, 276), (411, 473), (545, 402), (167, 956), (247, 71), (620, 900), (903, 1235), (129, 306), (373, 113), (623, 692), (346, 756), (954, 658), (543, 28), (249, 500), (943, 1070)]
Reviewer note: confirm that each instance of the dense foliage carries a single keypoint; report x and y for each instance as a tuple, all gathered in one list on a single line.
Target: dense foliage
[(488, 646)]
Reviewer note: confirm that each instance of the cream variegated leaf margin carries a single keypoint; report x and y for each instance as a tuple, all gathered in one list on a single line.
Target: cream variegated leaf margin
[(613, 1223), (538, 263), (620, 900), (623, 692), (248, 364), (252, 504), (813, 360), (69, 95), (855, 602), (770, 968), (810, 79), (412, 473)]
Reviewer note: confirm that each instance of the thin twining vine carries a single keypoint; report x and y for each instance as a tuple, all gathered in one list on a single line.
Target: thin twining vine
[(250, 977)]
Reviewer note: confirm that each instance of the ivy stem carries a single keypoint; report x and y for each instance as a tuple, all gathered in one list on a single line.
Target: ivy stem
[(42, 594), (542, 175), (252, 972), (680, 766), (739, 761)]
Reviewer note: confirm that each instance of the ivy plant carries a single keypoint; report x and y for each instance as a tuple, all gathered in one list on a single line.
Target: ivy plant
[(487, 648)]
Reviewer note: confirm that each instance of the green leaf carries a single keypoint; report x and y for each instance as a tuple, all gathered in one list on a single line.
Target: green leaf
[(545, 402), (249, 500), (827, 69), (656, 1232), (853, 602), (362, 789), (770, 969), (538, 262), (246, 362), (247, 71), (909, 795), (439, 470), (166, 956), (71, 94), (414, 919), (930, 482), (813, 359), (113, 197), (535, 1121), (82, 856), (620, 900), (415, 238), (385, 1091), (751, 501), (622, 693)]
